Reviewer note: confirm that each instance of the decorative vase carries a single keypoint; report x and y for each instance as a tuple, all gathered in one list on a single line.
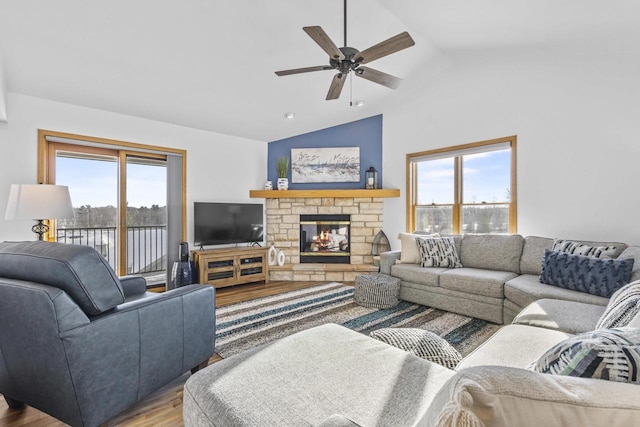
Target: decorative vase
[(283, 183), (280, 258), (273, 255), (181, 274), (268, 185)]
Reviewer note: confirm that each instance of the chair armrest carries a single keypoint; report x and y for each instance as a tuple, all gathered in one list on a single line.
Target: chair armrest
[(387, 259), (140, 346), (133, 285)]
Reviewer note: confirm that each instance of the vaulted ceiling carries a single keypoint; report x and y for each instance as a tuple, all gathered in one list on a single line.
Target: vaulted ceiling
[(209, 64)]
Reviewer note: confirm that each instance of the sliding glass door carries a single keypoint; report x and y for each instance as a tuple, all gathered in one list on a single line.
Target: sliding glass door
[(120, 203)]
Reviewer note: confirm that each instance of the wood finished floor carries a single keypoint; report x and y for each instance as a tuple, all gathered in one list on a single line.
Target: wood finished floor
[(164, 407)]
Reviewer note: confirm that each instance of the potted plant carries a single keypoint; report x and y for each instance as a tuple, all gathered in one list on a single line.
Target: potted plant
[(282, 166)]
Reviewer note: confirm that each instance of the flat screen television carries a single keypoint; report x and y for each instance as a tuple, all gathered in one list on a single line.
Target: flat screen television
[(227, 223)]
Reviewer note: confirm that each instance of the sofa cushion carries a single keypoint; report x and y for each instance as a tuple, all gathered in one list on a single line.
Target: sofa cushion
[(567, 316), (532, 254), (499, 396), (415, 274), (633, 252), (514, 345), (623, 307), (577, 248), (438, 252), (606, 354), (492, 251), (526, 288), (476, 281), (80, 271), (585, 274)]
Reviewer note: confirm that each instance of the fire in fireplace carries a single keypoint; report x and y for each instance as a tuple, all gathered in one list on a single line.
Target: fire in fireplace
[(325, 239)]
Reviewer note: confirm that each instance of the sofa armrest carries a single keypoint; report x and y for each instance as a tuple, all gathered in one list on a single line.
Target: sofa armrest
[(496, 395), (133, 285), (388, 259)]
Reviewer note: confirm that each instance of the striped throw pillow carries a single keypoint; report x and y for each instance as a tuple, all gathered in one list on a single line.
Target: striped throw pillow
[(576, 248), (606, 354), (438, 252), (623, 307)]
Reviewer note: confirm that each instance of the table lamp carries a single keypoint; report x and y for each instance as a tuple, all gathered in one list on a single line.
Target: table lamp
[(39, 202)]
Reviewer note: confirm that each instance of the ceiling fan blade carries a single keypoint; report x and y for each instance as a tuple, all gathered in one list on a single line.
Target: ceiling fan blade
[(336, 86), (379, 77), (322, 39), (387, 47), (303, 70)]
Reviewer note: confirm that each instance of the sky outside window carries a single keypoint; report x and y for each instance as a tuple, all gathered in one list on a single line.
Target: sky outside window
[(95, 182), (486, 178)]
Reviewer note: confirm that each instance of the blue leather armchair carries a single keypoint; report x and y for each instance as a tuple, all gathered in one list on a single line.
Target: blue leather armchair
[(82, 345)]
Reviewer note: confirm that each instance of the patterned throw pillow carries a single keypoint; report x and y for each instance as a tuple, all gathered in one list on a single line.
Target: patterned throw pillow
[(576, 248), (606, 354), (438, 252), (421, 343), (596, 276), (623, 307), (409, 253)]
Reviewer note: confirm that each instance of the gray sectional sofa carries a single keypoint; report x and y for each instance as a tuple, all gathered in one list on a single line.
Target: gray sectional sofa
[(500, 276), (330, 376)]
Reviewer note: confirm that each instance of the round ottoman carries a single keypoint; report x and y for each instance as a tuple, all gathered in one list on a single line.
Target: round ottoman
[(421, 343), (376, 290)]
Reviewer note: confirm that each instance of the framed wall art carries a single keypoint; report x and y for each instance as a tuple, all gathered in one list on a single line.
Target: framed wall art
[(339, 164)]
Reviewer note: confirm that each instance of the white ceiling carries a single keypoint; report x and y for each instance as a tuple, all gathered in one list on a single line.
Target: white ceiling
[(210, 64)]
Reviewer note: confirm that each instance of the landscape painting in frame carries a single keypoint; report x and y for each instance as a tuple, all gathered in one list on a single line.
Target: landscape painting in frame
[(340, 164)]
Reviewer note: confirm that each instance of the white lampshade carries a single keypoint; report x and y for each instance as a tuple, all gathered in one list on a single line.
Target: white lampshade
[(39, 201)]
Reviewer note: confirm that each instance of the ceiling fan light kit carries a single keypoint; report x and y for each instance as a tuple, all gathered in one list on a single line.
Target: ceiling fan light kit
[(347, 59)]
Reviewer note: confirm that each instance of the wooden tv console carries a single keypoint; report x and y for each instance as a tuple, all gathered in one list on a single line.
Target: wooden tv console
[(231, 266)]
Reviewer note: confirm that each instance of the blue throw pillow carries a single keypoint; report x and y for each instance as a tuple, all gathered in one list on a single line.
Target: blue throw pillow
[(596, 276)]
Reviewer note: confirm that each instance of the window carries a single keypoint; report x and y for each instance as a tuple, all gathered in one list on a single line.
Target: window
[(128, 200), (463, 189)]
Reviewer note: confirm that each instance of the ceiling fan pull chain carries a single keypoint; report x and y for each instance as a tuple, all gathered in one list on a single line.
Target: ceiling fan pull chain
[(350, 87)]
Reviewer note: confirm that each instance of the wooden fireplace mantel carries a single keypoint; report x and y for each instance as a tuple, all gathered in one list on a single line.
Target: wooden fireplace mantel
[(299, 194)]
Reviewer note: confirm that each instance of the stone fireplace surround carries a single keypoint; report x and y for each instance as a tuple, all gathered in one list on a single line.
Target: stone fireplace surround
[(283, 210)]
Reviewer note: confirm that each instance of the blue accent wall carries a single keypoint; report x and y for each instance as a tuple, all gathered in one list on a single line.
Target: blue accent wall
[(365, 133)]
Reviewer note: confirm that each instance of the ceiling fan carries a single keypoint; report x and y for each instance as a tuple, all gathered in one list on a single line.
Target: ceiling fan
[(346, 59)]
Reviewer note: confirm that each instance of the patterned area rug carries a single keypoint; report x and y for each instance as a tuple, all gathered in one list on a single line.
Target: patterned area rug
[(244, 325)]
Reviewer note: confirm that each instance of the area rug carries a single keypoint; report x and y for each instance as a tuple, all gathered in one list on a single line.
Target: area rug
[(245, 325)]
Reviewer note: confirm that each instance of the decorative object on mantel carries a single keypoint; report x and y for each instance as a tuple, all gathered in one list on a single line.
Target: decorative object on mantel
[(268, 185), (338, 164), (281, 258), (272, 255), (371, 179), (39, 202), (282, 166)]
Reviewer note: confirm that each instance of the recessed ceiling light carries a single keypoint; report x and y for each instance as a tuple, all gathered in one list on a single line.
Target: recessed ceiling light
[(359, 103), (289, 116)]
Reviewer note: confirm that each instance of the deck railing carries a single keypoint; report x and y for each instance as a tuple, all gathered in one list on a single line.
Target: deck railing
[(146, 245)]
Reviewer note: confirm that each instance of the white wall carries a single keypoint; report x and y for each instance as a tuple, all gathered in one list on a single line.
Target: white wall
[(578, 127), (3, 93), (219, 167)]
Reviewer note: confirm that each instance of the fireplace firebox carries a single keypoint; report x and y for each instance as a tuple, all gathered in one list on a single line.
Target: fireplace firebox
[(325, 239)]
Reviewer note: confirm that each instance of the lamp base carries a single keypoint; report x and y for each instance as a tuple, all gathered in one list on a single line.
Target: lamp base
[(40, 228)]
